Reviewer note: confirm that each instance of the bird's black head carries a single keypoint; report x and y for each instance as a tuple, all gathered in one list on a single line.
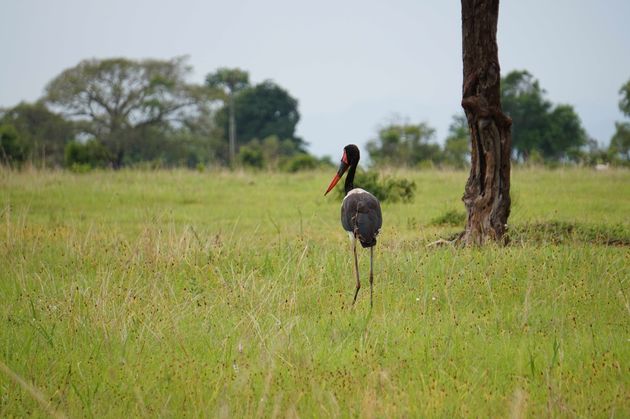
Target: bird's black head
[(351, 154), (350, 158)]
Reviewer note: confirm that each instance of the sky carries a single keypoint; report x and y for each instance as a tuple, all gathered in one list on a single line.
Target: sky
[(352, 65)]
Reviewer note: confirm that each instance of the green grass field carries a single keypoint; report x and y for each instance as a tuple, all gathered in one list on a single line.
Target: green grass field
[(216, 294)]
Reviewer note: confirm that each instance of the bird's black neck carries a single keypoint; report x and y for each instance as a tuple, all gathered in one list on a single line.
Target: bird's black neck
[(349, 185)]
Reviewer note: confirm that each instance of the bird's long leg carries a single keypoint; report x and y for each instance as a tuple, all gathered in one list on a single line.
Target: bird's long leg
[(371, 275), (356, 270)]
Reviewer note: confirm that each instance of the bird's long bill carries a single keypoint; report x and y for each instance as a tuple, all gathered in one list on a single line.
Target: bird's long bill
[(342, 169)]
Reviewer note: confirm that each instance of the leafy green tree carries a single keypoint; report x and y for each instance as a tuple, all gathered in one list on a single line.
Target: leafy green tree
[(299, 162), (553, 132), (385, 188), (457, 144), (112, 98), (592, 153), (523, 100), (85, 156), (12, 149), (276, 152), (43, 133), (200, 139), (230, 81), (265, 110), (565, 134), (271, 153), (251, 155), (624, 102), (401, 144), (620, 142)]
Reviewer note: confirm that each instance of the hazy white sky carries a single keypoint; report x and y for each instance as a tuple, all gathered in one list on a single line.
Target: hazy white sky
[(351, 64)]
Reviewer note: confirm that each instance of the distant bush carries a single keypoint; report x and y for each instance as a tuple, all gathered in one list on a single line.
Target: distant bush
[(250, 156), (385, 188), (81, 157), (299, 162), (12, 149)]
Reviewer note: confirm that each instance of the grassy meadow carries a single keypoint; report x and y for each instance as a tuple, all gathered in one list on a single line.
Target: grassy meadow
[(217, 294)]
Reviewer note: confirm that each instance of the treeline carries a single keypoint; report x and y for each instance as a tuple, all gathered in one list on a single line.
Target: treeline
[(121, 112), (542, 133)]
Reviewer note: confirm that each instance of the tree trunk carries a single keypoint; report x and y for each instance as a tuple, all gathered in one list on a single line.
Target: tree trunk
[(487, 193)]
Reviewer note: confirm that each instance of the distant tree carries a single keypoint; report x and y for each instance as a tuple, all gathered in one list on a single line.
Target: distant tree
[(624, 102), (523, 100), (565, 135), (199, 136), (271, 153), (457, 144), (12, 150), (553, 132), (115, 99), (264, 110), (299, 162), (251, 155), (85, 156), (620, 142), (271, 148), (402, 144), (592, 153), (230, 81), (44, 134), (276, 152)]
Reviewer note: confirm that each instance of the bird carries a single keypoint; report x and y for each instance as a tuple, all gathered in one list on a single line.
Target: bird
[(361, 213)]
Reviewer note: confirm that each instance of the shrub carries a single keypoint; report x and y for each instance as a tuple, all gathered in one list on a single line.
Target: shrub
[(250, 156), (300, 162), (81, 157), (385, 188), (12, 149)]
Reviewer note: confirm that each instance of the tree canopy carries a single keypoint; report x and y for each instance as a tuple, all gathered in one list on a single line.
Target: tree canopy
[(230, 81), (555, 132), (624, 102), (403, 144), (262, 111), (42, 134), (113, 99), (13, 151), (620, 142), (457, 144)]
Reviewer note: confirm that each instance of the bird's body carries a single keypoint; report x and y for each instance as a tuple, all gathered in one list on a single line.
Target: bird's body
[(361, 216), (361, 213)]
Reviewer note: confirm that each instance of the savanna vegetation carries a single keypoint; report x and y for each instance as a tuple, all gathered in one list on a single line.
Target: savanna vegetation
[(146, 113), (227, 294)]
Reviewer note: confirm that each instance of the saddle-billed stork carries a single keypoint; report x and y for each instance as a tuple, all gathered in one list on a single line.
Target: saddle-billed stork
[(360, 212)]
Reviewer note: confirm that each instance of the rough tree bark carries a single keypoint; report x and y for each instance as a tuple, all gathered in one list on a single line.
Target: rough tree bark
[(487, 192)]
